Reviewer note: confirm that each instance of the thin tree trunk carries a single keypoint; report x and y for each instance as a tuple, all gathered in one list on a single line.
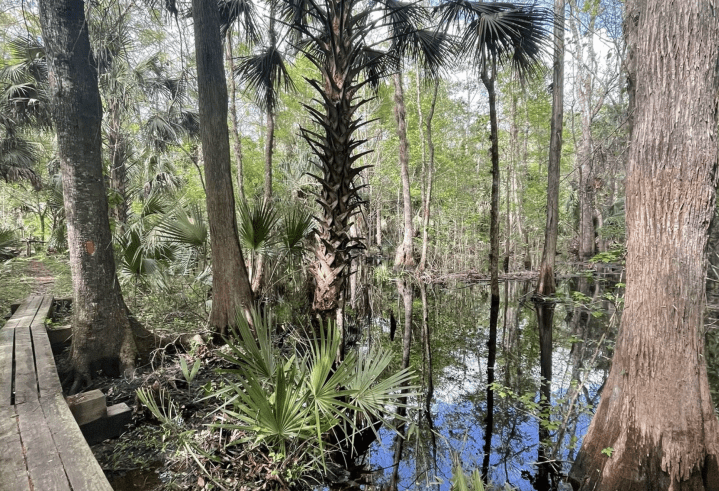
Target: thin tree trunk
[(585, 158), (236, 139), (118, 170), (405, 252), (102, 333), (656, 415), (231, 290), (488, 79), (546, 285), (428, 180)]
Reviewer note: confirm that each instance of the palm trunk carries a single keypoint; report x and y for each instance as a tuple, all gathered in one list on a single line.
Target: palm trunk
[(405, 251), (488, 79), (334, 148)]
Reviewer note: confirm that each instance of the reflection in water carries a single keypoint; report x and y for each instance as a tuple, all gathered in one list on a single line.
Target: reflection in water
[(547, 471), (449, 419), (404, 289), (491, 358)]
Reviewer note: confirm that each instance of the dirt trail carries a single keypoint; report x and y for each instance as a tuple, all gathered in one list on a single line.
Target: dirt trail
[(44, 280)]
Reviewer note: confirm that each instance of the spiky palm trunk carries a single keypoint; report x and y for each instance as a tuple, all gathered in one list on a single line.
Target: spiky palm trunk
[(333, 147)]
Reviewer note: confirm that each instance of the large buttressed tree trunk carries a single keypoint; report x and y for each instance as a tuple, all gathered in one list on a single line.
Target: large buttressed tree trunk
[(656, 411), (230, 284), (102, 334)]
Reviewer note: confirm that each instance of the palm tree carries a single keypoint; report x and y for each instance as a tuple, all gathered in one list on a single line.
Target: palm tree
[(493, 34), (340, 37)]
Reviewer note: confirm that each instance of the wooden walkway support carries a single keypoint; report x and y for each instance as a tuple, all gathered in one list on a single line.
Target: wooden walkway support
[(41, 445)]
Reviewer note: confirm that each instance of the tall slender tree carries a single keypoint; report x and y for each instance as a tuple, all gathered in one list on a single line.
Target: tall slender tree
[(656, 415), (231, 288), (546, 285)]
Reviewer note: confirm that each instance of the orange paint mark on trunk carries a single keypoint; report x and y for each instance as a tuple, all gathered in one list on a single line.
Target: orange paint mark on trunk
[(90, 246)]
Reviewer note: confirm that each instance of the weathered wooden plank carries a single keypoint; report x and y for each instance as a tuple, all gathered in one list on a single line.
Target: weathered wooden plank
[(22, 318), (13, 472), (44, 464), (25, 375), (6, 356), (81, 468), (47, 377)]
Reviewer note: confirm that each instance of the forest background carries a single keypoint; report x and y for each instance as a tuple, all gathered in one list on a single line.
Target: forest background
[(156, 182)]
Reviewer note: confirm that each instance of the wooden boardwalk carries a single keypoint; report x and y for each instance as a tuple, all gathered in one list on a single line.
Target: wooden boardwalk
[(41, 445)]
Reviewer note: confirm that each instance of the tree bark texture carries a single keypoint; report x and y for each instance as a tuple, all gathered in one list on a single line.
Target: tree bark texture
[(405, 251), (334, 146), (656, 411), (102, 334), (547, 285), (230, 284)]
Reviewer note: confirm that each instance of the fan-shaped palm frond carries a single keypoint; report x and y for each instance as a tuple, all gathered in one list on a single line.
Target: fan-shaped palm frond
[(375, 65), (257, 226), (23, 78), (499, 32), (186, 227), (402, 19), (265, 74), (435, 51), (242, 12), (296, 225), (17, 158)]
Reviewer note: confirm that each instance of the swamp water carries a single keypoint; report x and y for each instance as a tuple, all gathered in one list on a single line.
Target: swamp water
[(449, 349)]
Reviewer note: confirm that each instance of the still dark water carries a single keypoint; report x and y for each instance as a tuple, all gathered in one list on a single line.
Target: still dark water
[(448, 423)]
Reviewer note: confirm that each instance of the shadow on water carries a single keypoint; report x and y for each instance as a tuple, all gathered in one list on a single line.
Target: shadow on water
[(459, 357)]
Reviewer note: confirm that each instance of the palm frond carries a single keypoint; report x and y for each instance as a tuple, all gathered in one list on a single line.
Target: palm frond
[(257, 226), (295, 227), (186, 228), (265, 75), (402, 19), (434, 50), (499, 31), (18, 156), (243, 13)]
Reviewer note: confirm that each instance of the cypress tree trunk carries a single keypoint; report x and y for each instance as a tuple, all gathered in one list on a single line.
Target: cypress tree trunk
[(230, 284), (102, 334), (656, 412)]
